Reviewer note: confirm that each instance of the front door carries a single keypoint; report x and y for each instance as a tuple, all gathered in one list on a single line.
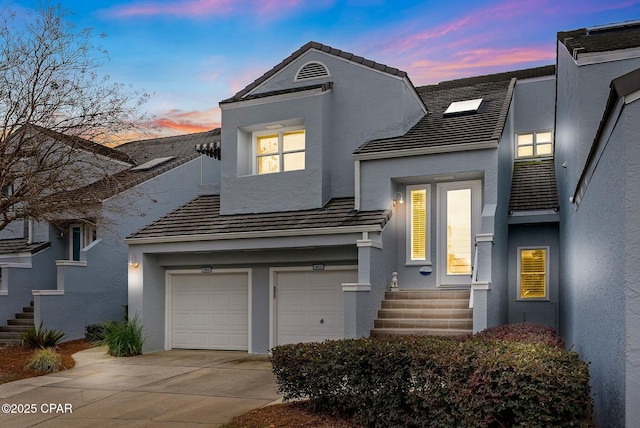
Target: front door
[(459, 218)]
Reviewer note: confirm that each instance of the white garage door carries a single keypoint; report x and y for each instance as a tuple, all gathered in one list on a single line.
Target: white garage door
[(310, 305), (210, 311)]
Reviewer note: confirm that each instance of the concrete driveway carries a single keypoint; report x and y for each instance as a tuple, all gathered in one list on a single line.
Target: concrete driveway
[(175, 388)]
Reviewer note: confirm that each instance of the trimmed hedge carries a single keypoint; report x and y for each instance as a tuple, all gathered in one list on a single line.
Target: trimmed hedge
[(524, 332), (438, 382)]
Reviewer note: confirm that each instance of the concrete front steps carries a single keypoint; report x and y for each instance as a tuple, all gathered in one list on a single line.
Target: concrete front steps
[(424, 313), (11, 334)]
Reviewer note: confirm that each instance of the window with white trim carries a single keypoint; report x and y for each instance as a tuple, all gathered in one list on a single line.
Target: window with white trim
[(533, 273), (534, 144), (418, 224), (279, 151)]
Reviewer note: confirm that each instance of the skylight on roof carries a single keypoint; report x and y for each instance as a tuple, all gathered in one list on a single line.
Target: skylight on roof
[(468, 106), (152, 163)]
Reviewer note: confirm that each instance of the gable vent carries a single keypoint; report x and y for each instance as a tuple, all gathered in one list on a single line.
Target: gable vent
[(312, 70)]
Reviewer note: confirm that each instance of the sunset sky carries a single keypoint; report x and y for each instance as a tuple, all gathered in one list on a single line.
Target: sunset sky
[(190, 54)]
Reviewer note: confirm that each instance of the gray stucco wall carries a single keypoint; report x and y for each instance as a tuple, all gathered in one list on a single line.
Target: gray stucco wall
[(20, 282), (242, 191), (599, 240), (632, 262), (593, 284), (534, 235)]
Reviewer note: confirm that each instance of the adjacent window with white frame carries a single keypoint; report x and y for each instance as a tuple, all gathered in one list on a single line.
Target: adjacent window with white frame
[(418, 224), (279, 150), (534, 144), (533, 273)]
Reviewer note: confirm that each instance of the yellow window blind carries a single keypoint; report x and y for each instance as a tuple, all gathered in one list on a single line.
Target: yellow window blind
[(533, 273), (418, 224)]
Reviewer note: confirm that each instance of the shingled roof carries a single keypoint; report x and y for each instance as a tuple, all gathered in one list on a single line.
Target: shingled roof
[(320, 47), (202, 217), (75, 142), (181, 148), (484, 126), (21, 245), (613, 37), (533, 186)]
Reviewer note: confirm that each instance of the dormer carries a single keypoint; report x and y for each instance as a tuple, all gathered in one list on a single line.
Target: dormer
[(289, 136)]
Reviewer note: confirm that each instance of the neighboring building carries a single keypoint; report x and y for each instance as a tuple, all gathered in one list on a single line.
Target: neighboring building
[(72, 271), (340, 180)]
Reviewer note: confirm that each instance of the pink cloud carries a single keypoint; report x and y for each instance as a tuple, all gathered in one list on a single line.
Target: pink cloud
[(477, 22), (202, 8), (181, 122), (479, 61)]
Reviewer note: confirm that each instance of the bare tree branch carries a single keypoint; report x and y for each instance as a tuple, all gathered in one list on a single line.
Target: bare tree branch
[(53, 106)]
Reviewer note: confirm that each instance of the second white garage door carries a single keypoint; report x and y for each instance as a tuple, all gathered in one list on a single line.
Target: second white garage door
[(309, 304), (210, 311)]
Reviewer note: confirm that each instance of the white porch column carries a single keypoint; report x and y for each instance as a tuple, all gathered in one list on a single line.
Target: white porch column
[(357, 295), (481, 283)]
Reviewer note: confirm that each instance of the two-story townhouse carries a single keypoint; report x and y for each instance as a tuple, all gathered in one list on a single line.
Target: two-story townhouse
[(71, 271), (308, 229)]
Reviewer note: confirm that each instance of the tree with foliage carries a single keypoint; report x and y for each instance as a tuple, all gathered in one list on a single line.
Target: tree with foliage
[(58, 115)]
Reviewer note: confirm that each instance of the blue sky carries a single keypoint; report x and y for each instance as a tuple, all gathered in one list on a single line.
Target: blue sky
[(190, 54)]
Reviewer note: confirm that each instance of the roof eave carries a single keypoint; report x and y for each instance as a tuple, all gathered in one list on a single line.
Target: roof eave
[(256, 234), (448, 148)]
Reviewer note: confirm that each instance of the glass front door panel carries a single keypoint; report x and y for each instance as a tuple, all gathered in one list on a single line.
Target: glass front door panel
[(459, 232)]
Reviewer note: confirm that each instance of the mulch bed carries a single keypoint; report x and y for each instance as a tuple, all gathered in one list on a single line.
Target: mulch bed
[(289, 415), (14, 359)]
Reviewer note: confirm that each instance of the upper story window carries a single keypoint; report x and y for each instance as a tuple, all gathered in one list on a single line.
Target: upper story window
[(534, 144), (312, 70), (279, 151)]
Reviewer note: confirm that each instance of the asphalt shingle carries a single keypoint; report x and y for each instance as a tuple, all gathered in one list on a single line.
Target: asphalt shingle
[(21, 245), (180, 147), (202, 217), (601, 39), (533, 186)]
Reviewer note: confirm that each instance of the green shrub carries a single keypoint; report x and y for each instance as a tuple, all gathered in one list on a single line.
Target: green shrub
[(94, 333), (124, 338), (45, 360), (42, 338), (438, 382)]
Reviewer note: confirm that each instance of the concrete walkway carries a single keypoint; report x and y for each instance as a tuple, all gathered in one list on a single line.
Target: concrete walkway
[(177, 388)]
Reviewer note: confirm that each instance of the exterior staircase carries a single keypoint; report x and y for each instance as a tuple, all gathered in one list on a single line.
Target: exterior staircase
[(424, 313), (11, 334)]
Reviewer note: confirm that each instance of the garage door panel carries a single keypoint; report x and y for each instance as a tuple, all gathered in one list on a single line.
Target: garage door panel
[(310, 305), (210, 311)]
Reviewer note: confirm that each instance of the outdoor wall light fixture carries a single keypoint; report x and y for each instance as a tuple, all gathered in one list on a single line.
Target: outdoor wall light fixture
[(398, 199), (133, 261)]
